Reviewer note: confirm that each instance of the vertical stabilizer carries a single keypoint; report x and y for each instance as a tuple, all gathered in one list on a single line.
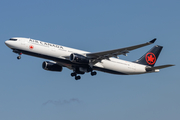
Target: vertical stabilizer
[(150, 57)]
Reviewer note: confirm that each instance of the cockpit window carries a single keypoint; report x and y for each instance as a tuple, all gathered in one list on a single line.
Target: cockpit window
[(13, 39)]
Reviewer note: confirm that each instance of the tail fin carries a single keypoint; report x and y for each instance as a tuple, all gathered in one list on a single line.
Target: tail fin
[(150, 57)]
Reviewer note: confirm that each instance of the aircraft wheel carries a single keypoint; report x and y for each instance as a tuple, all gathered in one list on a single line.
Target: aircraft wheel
[(93, 73), (19, 57), (78, 77), (73, 74)]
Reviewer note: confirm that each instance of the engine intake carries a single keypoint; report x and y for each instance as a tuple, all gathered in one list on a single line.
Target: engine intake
[(77, 58), (51, 66)]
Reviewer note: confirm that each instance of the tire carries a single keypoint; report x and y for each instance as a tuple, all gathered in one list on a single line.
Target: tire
[(93, 73), (19, 57), (78, 77), (73, 74)]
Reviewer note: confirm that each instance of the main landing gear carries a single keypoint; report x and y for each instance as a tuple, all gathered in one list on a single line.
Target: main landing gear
[(93, 73), (76, 77), (79, 77)]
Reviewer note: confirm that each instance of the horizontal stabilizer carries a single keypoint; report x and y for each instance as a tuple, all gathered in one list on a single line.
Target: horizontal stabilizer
[(157, 67)]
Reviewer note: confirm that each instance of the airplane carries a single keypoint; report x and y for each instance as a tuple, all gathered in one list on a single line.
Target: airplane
[(81, 62)]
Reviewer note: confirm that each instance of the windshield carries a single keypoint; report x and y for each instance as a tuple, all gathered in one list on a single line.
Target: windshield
[(13, 39)]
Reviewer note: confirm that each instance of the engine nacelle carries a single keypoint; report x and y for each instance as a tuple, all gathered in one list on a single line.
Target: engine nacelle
[(77, 58), (51, 66)]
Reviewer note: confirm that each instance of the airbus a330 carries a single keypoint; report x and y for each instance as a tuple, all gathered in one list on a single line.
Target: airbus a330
[(81, 62)]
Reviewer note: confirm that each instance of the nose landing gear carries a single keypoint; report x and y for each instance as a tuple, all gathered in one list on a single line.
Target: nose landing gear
[(19, 57), (18, 52)]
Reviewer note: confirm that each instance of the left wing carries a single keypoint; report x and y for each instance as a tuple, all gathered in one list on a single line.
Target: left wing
[(98, 56)]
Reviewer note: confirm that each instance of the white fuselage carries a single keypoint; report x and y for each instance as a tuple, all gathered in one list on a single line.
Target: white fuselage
[(59, 54)]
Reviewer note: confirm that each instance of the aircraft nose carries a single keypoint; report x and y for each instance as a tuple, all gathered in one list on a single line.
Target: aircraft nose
[(7, 43)]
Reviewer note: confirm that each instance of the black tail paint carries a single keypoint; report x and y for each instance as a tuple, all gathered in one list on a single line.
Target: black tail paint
[(150, 57)]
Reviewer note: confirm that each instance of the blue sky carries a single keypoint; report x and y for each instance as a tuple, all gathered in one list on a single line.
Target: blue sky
[(29, 92)]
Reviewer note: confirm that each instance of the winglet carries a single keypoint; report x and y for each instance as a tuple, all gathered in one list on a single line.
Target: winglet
[(152, 41)]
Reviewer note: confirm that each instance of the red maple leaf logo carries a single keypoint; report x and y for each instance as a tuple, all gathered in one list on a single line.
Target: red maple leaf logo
[(31, 47), (150, 58)]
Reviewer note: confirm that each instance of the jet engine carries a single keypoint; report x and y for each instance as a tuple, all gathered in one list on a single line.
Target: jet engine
[(80, 59), (51, 66)]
